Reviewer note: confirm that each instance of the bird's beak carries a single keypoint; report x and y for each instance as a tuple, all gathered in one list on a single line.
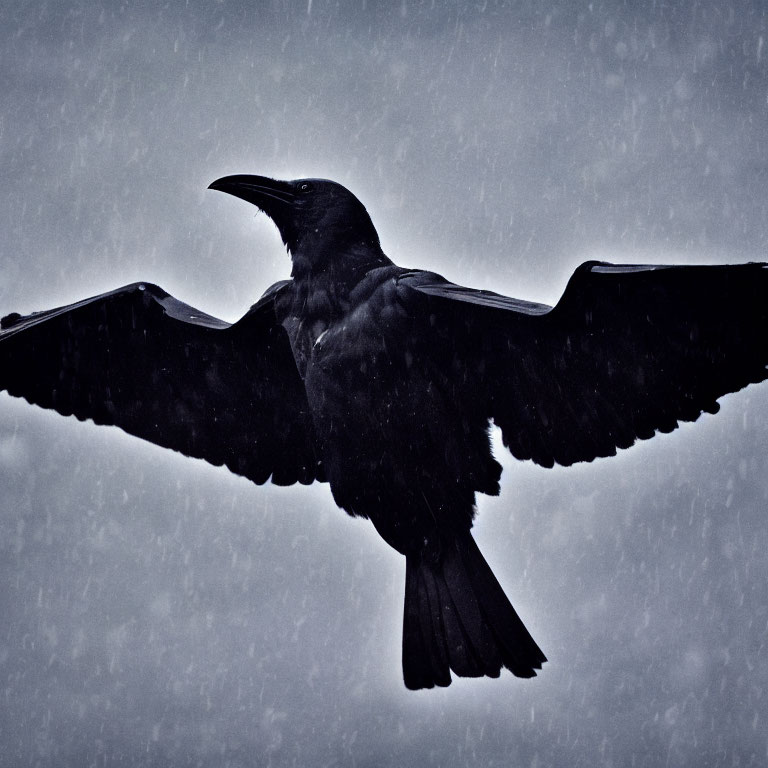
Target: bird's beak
[(258, 190)]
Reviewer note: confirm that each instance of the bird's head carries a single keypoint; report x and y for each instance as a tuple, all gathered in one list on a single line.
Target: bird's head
[(316, 218)]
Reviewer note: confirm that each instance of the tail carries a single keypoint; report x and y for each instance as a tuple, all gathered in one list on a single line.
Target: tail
[(458, 618)]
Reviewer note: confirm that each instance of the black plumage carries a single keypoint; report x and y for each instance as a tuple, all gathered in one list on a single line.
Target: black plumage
[(383, 381)]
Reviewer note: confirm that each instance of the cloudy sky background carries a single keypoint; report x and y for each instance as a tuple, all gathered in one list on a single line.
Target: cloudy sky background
[(157, 611)]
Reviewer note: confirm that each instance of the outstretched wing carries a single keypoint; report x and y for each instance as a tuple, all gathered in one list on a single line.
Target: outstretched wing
[(627, 351), (139, 359)]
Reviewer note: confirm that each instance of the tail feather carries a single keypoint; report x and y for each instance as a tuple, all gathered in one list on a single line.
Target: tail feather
[(425, 664), (460, 655), (416, 672), (468, 606), (429, 623), (519, 652), (458, 618)]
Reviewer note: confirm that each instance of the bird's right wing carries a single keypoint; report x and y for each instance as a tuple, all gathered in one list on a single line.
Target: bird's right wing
[(626, 352), (159, 369)]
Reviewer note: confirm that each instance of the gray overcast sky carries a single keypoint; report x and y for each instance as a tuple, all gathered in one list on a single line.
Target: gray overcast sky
[(157, 611)]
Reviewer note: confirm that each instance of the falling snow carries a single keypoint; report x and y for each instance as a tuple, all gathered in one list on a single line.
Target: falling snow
[(158, 611)]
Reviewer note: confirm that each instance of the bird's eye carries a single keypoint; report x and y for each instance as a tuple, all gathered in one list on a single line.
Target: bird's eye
[(305, 186)]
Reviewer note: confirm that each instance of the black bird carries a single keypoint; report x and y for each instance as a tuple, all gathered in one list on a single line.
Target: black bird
[(383, 382)]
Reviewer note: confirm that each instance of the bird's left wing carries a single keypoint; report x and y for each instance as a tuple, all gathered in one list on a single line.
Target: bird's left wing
[(626, 352), (159, 369)]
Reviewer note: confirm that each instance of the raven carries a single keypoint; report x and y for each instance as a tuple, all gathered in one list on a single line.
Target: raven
[(383, 381)]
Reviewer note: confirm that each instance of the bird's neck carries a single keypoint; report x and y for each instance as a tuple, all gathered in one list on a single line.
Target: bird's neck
[(323, 280)]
